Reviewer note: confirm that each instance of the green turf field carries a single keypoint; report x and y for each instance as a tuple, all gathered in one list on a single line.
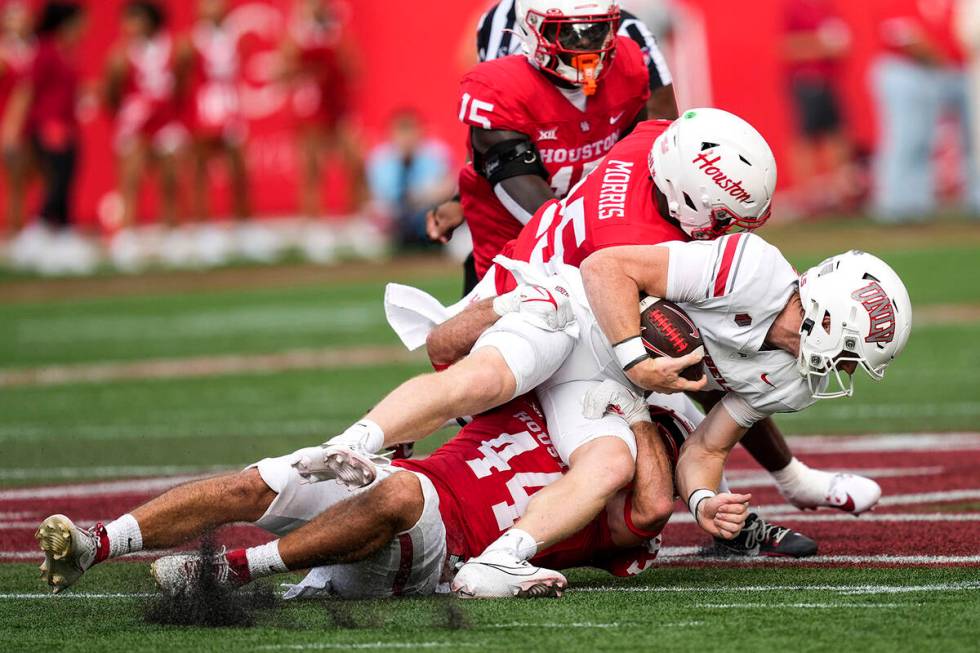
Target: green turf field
[(138, 422), (228, 419), (668, 610)]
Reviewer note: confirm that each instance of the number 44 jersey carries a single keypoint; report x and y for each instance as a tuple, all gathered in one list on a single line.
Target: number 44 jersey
[(487, 474), (571, 132)]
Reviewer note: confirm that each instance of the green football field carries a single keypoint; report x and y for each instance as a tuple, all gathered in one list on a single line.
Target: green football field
[(180, 373)]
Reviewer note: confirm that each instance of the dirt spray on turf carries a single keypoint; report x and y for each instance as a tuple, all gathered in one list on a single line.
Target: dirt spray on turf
[(207, 603)]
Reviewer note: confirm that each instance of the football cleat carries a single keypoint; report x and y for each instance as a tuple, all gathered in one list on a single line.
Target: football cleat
[(349, 465), (68, 551), (501, 574), (760, 538), (848, 492), (183, 572)]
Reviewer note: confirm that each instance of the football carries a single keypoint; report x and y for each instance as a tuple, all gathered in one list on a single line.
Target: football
[(666, 330)]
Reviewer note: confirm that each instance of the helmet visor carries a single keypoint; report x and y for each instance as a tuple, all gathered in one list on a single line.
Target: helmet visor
[(725, 220)]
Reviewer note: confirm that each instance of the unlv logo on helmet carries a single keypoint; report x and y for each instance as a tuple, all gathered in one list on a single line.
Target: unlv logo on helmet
[(880, 310)]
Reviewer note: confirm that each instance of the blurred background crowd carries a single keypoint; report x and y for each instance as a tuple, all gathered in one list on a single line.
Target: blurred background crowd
[(190, 133)]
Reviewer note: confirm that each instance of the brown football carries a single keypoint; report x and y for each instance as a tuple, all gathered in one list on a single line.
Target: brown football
[(666, 330)]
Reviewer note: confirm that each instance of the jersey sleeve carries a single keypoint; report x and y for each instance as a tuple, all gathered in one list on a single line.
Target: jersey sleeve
[(744, 414), (743, 274), (634, 65), (483, 105), (636, 30)]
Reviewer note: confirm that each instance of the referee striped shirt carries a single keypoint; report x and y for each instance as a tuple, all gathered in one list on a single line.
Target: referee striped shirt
[(495, 38)]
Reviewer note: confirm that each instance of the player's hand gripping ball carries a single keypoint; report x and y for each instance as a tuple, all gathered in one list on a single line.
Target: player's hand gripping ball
[(666, 330)]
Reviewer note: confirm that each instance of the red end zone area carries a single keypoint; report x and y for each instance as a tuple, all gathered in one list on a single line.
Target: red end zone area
[(929, 514)]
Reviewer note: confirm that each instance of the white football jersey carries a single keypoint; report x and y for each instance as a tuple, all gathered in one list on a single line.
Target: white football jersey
[(733, 288)]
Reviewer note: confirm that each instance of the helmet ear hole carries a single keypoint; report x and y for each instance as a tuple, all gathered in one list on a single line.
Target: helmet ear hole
[(825, 323), (690, 202)]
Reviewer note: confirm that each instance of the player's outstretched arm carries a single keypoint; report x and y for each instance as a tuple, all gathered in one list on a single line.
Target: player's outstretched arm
[(614, 279), (699, 470), (454, 338), (537, 305)]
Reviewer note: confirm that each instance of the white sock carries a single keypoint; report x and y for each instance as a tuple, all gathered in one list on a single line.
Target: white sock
[(124, 536), (366, 435), (518, 542), (798, 480), (265, 560)]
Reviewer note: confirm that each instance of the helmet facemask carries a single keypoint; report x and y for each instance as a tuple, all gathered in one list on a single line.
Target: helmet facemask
[(832, 332), (575, 49)]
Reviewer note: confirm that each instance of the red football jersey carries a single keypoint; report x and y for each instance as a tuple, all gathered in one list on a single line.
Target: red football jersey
[(510, 94), (485, 477), (613, 206)]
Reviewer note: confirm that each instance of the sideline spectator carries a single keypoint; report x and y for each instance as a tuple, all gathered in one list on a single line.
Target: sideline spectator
[(919, 76), (317, 59), (43, 106), (140, 92), (407, 175), (16, 55), (968, 30), (815, 42)]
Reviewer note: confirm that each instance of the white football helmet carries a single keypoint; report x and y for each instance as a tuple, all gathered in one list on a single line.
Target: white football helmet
[(716, 171), (855, 308), (573, 40)]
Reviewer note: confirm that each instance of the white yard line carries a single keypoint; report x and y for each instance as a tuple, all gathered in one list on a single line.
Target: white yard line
[(108, 488), (803, 606), (829, 444), (687, 555), (836, 589), (205, 366), (104, 471), (369, 646)]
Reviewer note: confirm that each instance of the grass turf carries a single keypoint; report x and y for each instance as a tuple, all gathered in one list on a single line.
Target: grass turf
[(701, 610), (86, 429)]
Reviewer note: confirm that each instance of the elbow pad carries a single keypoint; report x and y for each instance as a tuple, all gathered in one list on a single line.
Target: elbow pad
[(515, 157)]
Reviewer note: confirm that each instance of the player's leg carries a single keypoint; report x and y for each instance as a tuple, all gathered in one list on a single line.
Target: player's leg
[(600, 454), (238, 176), (509, 359), (173, 518), (370, 540), (310, 146)]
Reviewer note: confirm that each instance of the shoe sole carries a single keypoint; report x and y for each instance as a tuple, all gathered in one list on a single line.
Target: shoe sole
[(551, 588), (532, 589), (350, 468), (54, 538)]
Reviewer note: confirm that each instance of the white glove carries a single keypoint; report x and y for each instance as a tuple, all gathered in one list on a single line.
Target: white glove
[(610, 397), (544, 308)]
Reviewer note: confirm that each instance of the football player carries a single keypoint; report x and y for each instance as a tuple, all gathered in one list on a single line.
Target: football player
[(707, 173), (776, 341), (540, 122), (496, 37), (402, 535)]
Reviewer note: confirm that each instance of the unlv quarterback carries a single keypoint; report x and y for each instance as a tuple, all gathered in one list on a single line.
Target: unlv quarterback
[(540, 122)]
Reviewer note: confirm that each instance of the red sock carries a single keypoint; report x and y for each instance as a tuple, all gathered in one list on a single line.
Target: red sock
[(238, 563)]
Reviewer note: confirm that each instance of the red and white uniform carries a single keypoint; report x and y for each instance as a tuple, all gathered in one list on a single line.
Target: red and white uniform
[(321, 95), (474, 488), (216, 110), (149, 107), (733, 289), (613, 206), (510, 94)]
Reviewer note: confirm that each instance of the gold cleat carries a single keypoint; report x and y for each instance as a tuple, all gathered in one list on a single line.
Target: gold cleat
[(68, 551)]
